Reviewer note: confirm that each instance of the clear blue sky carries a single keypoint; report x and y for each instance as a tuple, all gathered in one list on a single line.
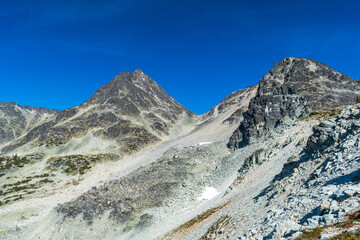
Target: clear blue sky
[(56, 54)]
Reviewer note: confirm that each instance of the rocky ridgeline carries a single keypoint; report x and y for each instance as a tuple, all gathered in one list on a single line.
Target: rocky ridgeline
[(16, 120), (233, 100), (132, 109), (293, 88), (319, 188)]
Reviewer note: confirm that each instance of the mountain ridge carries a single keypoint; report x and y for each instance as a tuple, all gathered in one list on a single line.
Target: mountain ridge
[(293, 88), (132, 163), (115, 108)]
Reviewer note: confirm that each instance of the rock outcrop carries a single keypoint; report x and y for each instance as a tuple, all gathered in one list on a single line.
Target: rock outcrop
[(321, 185), (293, 88)]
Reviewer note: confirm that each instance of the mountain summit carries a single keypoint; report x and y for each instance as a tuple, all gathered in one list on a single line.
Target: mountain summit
[(295, 87), (132, 93), (132, 110)]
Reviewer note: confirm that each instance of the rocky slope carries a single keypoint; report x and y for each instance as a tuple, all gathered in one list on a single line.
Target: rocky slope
[(293, 88), (16, 120), (291, 165), (316, 193), (131, 110)]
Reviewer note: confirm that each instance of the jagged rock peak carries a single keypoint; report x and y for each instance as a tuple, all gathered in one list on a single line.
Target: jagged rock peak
[(137, 88), (293, 88), (138, 71), (289, 67)]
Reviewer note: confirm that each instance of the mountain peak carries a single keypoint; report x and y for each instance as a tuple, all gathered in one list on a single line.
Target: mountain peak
[(293, 88), (138, 71), (302, 70), (288, 61), (135, 88), (131, 108)]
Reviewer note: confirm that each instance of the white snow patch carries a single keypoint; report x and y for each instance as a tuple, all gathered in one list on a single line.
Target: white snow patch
[(208, 193), (204, 143)]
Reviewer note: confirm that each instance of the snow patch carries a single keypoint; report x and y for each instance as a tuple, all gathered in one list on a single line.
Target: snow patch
[(208, 193), (204, 143)]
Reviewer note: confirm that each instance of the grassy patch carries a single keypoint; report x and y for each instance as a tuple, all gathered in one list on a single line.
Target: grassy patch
[(316, 232), (310, 234), (322, 115), (347, 236), (12, 162), (216, 229), (191, 224), (77, 164), (46, 180), (73, 164), (39, 176), (14, 191), (53, 142)]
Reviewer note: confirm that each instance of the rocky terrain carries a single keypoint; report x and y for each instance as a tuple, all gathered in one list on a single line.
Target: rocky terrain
[(293, 88), (277, 160), (16, 120), (132, 111)]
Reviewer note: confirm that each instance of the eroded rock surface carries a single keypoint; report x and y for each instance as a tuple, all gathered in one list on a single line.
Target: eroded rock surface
[(16, 120), (293, 88), (131, 109)]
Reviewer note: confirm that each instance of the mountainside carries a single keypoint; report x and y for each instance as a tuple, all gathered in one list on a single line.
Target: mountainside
[(294, 88), (131, 109), (16, 120), (276, 160)]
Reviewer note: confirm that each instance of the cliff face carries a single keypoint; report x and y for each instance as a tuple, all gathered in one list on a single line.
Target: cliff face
[(293, 88)]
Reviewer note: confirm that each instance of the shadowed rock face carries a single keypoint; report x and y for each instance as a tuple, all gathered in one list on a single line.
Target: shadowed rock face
[(131, 109), (293, 88), (16, 120)]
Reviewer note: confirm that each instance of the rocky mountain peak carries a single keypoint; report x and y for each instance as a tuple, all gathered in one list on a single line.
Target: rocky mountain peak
[(132, 109), (293, 88), (305, 69), (138, 71), (136, 90)]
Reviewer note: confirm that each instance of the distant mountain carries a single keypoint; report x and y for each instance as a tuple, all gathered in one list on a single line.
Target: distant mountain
[(131, 109), (16, 120)]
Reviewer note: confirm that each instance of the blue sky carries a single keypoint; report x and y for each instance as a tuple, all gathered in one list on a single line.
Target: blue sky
[(56, 54)]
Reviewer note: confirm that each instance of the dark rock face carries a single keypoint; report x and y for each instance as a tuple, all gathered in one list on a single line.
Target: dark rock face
[(16, 120), (131, 109), (293, 88)]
